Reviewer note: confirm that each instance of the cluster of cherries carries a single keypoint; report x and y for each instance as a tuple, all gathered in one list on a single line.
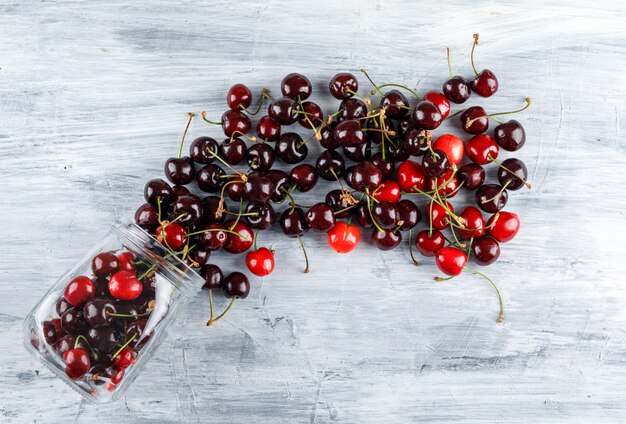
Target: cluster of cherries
[(381, 157), (101, 319)]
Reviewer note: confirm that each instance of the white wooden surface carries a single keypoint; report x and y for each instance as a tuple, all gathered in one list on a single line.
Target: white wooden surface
[(93, 98)]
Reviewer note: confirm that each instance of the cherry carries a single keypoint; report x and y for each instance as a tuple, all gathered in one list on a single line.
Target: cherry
[(416, 142), (510, 135), (491, 197), (397, 151), (312, 116), (450, 260), (147, 217), (238, 243), (97, 312), (237, 285), (386, 239), (77, 363), (503, 226), (180, 170), (239, 97), (482, 149), (485, 250), (49, 332), (213, 236), (386, 215), (258, 188), (104, 339), (343, 238), (330, 165), (68, 342), (387, 191), (338, 200), (293, 222), (378, 132), (209, 178), (210, 207), (296, 86), (179, 190), (411, 176), (435, 164), (125, 358), (212, 275), (348, 133), (62, 305), (268, 129), (173, 234), (452, 146), (158, 189), (386, 165), (359, 153), (427, 115), (429, 243), (260, 216), (457, 89), (235, 122), (79, 290), (200, 148), (126, 261), (260, 157), (395, 104), (260, 262), (352, 108), (447, 185), (188, 208), (512, 173), (362, 215), (290, 148), (197, 257), (343, 85), (284, 111), (233, 150), (439, 216), (124, 285), (440, 101), (471, 176), (366, 176), (320, 217), (104, 264), (473, 221), (485, 84), (73, 321), (409, 214), (474, 120), (304, 176), (327, 136), (281, 182)]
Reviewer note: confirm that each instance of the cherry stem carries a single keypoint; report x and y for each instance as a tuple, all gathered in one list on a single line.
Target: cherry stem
[(180, 151), (211, 304), (528, 101), (376, 89), (93, 352), (469, 248), (449, 66), (306, 116), (417, 96), (124, 346), (207, 121), (526, 183), (411, 250), (159, 209), (430, 221), (473, 271), (306, 257), (366, 100), (238, 215), (447, 209), (456, 239), (212, 321), (369, 209), (128, 315), (443, 278), (497, 194), (234, 135), (216, 156), (472, 54), (256, 235), (226, 230), (264, 95)]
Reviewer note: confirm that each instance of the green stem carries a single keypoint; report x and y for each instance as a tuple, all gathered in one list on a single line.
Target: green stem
[(306, 257), (473, 271), (209, 122), (217, 318), (124, 346), (449, 66), (411, 250), (417, 96), (472, 54), (182, 142)]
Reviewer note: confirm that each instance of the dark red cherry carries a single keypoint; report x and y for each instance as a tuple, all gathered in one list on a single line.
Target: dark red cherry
[(304, 176), (405, 125), (147, 217), (485, 84), (386, 165), (428, 244), (210, 206), (235, 123), (281, 182), (338, 201), (189, 208), (209, 178), (426, 115), (97, 312), (284, 111), (397, 151), (258, 188), (474, 120), (290, 148), (330, 165), (212, 275), (327, 134), (73, 321), (366, 176), (293, 222), (313, 112), (457, 89), (158, 189), (362, 215), (447, 185), (510, 135), (395, 104), (260, 157), (349, 133), (296, 86), (435, 164), (79, 290), (320, 217), (260, 216), (239, 97), (268, 129), (213, 236), (200, 148), (77, 363), (440, 101), (409, 214), (513, 174), (233, 151), (62, 305), (386, 214), (238, 243), (359, 153), (137, 329), (379, 131), (416, 142), (485, 250), (68, 342), (104, 264), (198, 256), (125, 358), (234, 188), (386, 239), (179, 190), (343, 85), (180, 170), (471, 176), (352, 108), (105, 339), (236, 284), (491, 198), (49, 332)]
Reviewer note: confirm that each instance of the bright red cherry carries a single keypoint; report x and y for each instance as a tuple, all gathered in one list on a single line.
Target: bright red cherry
[(440, 101), (172, 234), (343, 238), (125, 285), (503, 226), (439, 216), (260, 262), (452, 146), (79, 291), (473, 221), (447, 184), (410, 176), (450, 260), (126, 261), (482, 149), (125, 358), (77, 363), (387, 191), (238, 243), (429, 244), (239, 97)]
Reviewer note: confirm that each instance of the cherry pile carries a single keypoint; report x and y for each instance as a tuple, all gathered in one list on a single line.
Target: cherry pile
[(383, 155), (101, 320)]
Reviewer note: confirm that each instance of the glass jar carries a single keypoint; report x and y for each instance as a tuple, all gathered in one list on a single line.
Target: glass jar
[(117, 329)]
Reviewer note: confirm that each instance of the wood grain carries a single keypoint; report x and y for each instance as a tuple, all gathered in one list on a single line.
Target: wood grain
[(93, 98)]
